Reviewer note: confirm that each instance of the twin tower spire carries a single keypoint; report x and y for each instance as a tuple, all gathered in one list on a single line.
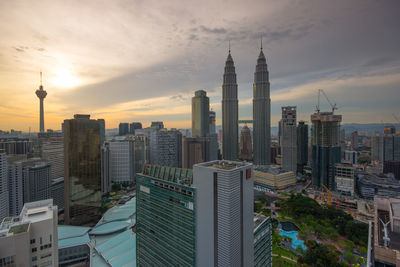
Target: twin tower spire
[(261, 112)]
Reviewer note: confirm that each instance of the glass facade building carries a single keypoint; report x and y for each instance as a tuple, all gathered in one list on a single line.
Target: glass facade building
[(165, 217), (82, 163), (262, 241)]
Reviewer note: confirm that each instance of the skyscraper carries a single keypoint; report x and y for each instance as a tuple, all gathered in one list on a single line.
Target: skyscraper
[(123, 128), (200, 114), (52, 151), (82, 163), (212, 117), (302, 146), (41, 94), (230, 114), (325, 138), (166, 147), (133, 126), (224, 213), (195, 150), (261, 113), (354, 140), (289, 140), (245, 144)]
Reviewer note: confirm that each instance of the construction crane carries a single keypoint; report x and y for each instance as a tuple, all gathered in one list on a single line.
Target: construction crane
[(333, 105), (329, 194)]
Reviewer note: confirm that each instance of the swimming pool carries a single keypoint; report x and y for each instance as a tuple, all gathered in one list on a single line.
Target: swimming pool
[(295, 241)]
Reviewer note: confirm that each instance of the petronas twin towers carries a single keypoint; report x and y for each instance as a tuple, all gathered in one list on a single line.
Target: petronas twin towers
[(261, 112)]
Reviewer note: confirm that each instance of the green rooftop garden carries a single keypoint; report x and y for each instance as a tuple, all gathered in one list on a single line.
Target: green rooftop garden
[(17, 229)]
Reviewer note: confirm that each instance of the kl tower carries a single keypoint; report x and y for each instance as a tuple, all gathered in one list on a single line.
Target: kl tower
[(41, 94)]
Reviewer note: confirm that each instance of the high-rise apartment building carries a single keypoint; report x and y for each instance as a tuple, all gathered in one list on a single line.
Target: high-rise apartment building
[(261, 113), (82, 163), (289, 139), (326, 151), (134, 126), (52, 151), (200, 114), (245, 144), (123, 128), (166, 147), (16, 146), (230, 115), (37, 182), (4, 200), (302, 146), (30, 239)]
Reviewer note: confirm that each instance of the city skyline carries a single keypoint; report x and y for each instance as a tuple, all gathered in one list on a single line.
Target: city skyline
[(112, 68)]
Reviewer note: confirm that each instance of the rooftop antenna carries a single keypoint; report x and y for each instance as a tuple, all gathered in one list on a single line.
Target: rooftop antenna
[(261, 43), (229, 42)]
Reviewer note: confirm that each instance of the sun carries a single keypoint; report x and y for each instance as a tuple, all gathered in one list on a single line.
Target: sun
[(64, 78)]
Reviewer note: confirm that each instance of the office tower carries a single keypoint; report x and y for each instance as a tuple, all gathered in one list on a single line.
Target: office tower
[(212, 117), (280, 132), (142, 152), (206, 217), (82, 163), (123, 128), (246, 146), (230, 113), (275, 151), (57, 192), (173, 225), (120, 155), (30, 239), (261, 113), (342, 142), (325, 139), (389, 130), (302, 146), (166, 147), (195, 150), (4, 201), (224, 213), (133, 126), (351, 156), (262, 241), (200, 114), (105, 168), (354, 140), (37, 181), (157, 124), (52, 151), (289, 139), (41, 94), (102, 130), (377, 148)]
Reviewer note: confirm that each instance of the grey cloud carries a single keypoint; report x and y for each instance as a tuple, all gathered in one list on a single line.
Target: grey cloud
[(213, 30)]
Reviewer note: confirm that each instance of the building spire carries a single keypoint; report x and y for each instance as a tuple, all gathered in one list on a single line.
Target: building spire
[(261, 43), (229, 42)]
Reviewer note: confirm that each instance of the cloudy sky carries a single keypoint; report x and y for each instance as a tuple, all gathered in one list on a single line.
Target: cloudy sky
[(130, 61)]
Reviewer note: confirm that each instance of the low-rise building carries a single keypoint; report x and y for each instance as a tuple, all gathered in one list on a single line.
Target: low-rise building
[(345, 178), (370, 185), (30, 239), (273, 177), (387, 231)]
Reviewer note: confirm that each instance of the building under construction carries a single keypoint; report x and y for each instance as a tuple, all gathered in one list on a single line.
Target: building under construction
[(326, 151)]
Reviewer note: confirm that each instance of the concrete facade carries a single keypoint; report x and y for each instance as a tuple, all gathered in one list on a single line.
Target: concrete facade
[(166, 148), (345, 178), (30, 239), (52, 151), (224, 213), (289, 139)]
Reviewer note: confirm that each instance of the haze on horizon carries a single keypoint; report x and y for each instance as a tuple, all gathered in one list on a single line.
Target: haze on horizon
[(142, 61)]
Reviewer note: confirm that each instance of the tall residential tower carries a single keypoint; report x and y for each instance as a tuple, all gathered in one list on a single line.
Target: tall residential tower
[(230, 115), (261, 113), (41, 94)]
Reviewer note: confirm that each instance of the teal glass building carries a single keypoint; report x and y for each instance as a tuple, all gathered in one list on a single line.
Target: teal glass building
[(165, 217)]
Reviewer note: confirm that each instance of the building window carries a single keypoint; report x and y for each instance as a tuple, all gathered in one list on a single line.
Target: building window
[(34, 258), (33, 241), (34, 250)]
